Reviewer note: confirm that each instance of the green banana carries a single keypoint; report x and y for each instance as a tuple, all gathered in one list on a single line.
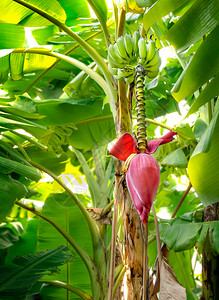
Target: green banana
[(142, 49), (114, 63), (112, 70), (121, 47), (136, 37), (125, 72), (113, 52), (128, 44), (150, 50), (130, 78), (152, 68), (153, 74), (155, 60)]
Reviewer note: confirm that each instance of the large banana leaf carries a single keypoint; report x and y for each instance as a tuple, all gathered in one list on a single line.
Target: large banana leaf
[(200, 19), (203, 66), (11, 190), (160, 9), (208, 93), (60, 208), (74, 10), (14, 13), (26, 243), (203, 167), (17, 280), (94, 125), (12, 36)]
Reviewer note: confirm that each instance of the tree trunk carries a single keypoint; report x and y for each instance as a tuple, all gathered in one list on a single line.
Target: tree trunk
[(210, 263), (133, 241)]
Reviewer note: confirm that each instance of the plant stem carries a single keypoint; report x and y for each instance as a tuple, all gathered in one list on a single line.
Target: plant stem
[(121, 23), (113, 247), (107, 208), (115, 11), (68, 287), (140, 108), (118, 270), (68, 264), (181, 200), (157, 235), (118, 280), (124, 117), (146, 293)]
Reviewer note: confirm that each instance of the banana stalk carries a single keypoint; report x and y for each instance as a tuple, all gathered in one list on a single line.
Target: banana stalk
[(140, 108)]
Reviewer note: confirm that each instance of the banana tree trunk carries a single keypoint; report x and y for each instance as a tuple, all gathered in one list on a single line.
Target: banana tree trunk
[(210, 265)]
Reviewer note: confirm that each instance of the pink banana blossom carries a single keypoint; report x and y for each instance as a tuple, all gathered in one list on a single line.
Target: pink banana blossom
[(143, 174)]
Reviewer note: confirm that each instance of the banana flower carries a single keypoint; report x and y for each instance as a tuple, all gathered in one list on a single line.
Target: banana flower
[(142, 170)]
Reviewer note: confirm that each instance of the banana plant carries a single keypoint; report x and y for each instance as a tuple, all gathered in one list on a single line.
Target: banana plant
[(81, 86)]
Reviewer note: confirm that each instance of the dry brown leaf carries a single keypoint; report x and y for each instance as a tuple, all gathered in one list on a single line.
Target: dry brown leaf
[(170, 289)]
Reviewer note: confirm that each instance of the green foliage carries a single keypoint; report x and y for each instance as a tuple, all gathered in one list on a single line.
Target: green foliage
[(28, 269), (203, 165), (71, 219)]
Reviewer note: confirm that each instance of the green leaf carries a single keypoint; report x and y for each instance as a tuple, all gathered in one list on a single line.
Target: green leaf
[(181, 235), (67, 111), (97, 132), (200, 19), (177, 158), (4, 68), (11, 190), (27, 242), (203, 167), (74, 10), (92, 183), (16, 65), (61, 208), (12, 36), (13, 153), (50, 160), (205, 141), (30, 268), (7, 166), (9, 234), (37, 62), (101, 7), (209, 92), (14, 13), (199, 128), (24, 103), (203, 66), (186, 130), (181, 262), (160, 9)]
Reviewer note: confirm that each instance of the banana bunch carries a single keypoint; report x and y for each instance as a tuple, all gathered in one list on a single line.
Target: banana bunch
[(130, 51), (122, 52), (123, 56), (149, 57)]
